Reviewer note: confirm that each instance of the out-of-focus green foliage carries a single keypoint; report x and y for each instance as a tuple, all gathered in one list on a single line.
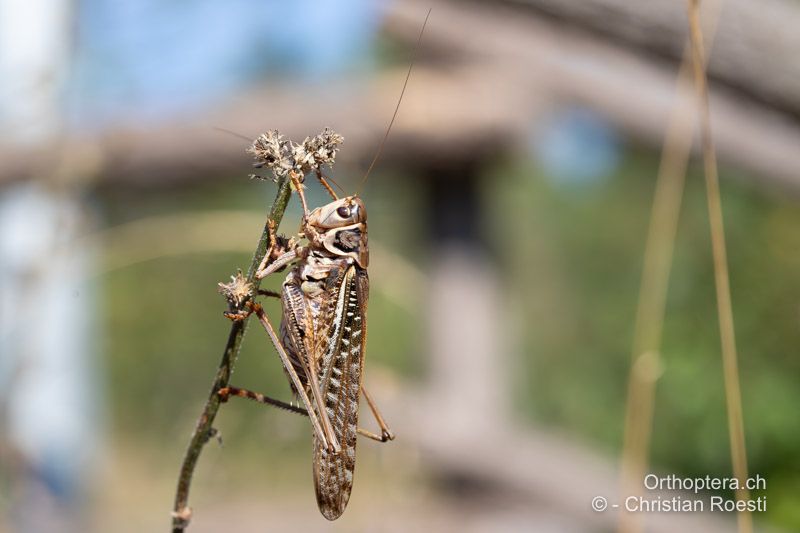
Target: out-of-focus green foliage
[(574, 257)]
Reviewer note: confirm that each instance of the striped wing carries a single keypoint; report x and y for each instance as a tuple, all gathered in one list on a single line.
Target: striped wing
[(341, 376)]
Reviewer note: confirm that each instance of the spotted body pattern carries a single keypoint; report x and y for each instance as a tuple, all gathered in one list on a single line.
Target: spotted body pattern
[(323, 329)]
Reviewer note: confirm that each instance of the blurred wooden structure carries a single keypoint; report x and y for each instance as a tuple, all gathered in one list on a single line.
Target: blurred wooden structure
[(488, 74)]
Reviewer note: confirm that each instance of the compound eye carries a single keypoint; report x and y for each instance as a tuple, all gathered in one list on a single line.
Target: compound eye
[(343, 211)]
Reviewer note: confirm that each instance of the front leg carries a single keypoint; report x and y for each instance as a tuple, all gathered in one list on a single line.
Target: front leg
[(275, 252), (281, 261), (298, 186)]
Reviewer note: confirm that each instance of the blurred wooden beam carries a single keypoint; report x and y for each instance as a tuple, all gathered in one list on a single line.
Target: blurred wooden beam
[(524, 57), (432, 123), (487, 76), (755, 50)]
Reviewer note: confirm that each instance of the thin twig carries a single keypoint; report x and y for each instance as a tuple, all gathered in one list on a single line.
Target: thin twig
[(733, 393), (646, 357), (203, 431)]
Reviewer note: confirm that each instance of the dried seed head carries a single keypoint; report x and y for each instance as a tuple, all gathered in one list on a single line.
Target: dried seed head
[(322, 148), (282, 156), (273, 151), (237, 291)]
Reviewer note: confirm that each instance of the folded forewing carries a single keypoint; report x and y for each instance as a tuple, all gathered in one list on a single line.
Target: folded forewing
[(341, 388)]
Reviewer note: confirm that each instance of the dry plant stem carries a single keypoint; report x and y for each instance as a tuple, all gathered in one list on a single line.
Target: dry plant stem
[(203, 431), (646, 360), (724, 308)]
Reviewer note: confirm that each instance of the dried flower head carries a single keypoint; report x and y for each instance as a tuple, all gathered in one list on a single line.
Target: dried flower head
[(281, 155), (237, 291), (273, 151), (322, 148)]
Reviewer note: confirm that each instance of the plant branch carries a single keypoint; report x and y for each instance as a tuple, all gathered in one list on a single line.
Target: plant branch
[(204, 429)]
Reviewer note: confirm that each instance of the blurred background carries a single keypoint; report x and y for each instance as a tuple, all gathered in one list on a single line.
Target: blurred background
[(508, 219)]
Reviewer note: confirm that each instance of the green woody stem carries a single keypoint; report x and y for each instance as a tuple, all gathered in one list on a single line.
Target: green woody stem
[(203, 431)]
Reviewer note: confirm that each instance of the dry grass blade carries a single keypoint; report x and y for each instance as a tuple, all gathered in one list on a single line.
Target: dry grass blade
[(721, 278), (646, 359)]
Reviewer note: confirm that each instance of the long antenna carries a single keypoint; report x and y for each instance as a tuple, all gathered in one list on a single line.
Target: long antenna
[(235, 134), (397, 108)]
